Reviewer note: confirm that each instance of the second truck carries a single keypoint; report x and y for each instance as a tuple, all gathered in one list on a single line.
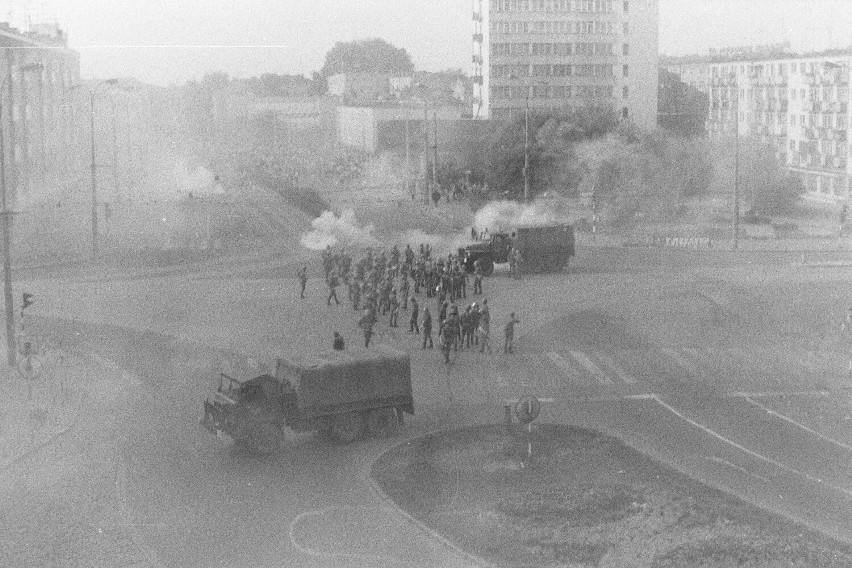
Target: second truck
[(543, 249)]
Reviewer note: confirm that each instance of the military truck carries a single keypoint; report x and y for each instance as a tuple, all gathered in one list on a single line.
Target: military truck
[(342, 394), (543, 249)]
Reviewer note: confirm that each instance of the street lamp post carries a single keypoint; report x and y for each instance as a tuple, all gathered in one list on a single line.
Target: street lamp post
[(527, 148), (92, 93), (736, 222), (11, 344)]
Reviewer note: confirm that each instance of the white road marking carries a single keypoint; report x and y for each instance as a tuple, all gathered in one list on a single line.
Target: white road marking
[(680, 360), (590, 366), (797, 424), (560, 362), (615, 368), (742, 448), (304, 549), (719, 460)]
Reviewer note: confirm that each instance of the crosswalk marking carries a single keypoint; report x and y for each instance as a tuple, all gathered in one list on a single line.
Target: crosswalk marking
[(615, 368), (560, 362), (590, 366), (680, 360)]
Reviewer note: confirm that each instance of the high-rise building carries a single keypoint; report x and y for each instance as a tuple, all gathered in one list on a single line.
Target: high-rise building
[(565, 54), (797, 103)]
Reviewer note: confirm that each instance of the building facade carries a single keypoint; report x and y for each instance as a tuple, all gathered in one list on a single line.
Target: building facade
[(39, 111), (565, 54), (798, 104)]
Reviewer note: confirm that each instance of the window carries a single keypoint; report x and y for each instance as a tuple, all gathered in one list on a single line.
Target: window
[(625, 49), (792, 120), (625, 28), (624, 112), (625, 70), (625, 91)]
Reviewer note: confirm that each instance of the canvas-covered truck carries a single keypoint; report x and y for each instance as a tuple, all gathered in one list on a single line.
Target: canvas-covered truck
[(343, 394), (543, 249)]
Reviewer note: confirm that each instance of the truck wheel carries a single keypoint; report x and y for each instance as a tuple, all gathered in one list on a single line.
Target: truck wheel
[(348, 427), (264, 439), (487, 266), (382, 423)]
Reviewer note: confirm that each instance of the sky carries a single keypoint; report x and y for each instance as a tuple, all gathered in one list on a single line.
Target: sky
[(172, 41)]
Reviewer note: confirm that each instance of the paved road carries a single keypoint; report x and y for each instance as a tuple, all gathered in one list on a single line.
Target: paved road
[(590, 340)]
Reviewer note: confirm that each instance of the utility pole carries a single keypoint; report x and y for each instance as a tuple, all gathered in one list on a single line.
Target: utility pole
[(427, 187), (116, 190), (736, 228), (408, 151), (435, 146), (527, 148)]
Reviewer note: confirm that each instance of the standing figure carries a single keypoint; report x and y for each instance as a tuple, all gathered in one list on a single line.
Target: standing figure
[(509, 330), (332, 287), (366, 323), (427, 328), (413, 325), (484, 327), (303, 280)]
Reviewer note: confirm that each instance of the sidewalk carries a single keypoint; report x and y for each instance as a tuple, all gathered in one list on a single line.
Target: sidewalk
[(33, 413)]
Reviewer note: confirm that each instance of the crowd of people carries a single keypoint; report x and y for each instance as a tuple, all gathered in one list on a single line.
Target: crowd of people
[(383, 283)]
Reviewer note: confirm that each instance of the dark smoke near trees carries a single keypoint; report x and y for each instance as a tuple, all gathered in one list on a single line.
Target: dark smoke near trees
[(367, 56)]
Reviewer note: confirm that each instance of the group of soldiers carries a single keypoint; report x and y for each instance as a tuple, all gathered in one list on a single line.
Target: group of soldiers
[(383, 283)]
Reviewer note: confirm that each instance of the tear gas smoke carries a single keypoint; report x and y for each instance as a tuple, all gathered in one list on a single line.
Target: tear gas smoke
[(331, 230), (200, 181), (503, 215)]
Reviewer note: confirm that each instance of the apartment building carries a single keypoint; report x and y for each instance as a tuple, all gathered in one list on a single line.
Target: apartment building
[(797, 103), (38, 110), (565, 54)]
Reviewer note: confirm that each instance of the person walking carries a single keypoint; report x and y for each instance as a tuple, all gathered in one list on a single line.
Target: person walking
[(509, 330), (303, 280), (484, 328), (338, 344), (404, 288), (449, 335), (427, 328), (413, 325), (477, 278), (394, 310), (367, 321), (333, 282)]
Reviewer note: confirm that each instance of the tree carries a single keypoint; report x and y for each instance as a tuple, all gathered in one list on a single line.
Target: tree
[(367, 56), (553, 135), (682, 109)]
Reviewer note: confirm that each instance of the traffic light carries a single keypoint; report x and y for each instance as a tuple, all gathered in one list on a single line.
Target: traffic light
[(28, 301)]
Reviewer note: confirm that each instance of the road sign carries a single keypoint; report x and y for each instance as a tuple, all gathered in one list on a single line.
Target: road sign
[(527, 409), (29, 367)]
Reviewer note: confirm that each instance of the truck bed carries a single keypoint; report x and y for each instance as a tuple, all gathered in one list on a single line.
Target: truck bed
[(336, 380)]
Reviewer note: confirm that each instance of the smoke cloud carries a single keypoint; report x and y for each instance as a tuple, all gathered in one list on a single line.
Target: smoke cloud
[(331, 230), (501, 216), (199, 181)]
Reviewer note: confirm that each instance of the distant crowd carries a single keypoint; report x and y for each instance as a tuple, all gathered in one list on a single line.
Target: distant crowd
[(382, 283)]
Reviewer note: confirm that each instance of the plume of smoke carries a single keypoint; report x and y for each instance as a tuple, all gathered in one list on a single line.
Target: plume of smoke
[(331, 230), (500, 216), (199, 181)]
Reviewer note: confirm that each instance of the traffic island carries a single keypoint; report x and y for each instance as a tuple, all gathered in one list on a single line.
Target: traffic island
[(583, 498)]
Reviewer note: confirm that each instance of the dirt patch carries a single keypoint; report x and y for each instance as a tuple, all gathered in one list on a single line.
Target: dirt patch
[(584, 499)]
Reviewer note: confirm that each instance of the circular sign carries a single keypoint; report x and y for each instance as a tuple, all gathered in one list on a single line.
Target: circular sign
[(527, 409), (29, 367)]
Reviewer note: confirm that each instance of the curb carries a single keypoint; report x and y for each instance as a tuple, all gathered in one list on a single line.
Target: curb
[(367, 476), (50, 439)]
